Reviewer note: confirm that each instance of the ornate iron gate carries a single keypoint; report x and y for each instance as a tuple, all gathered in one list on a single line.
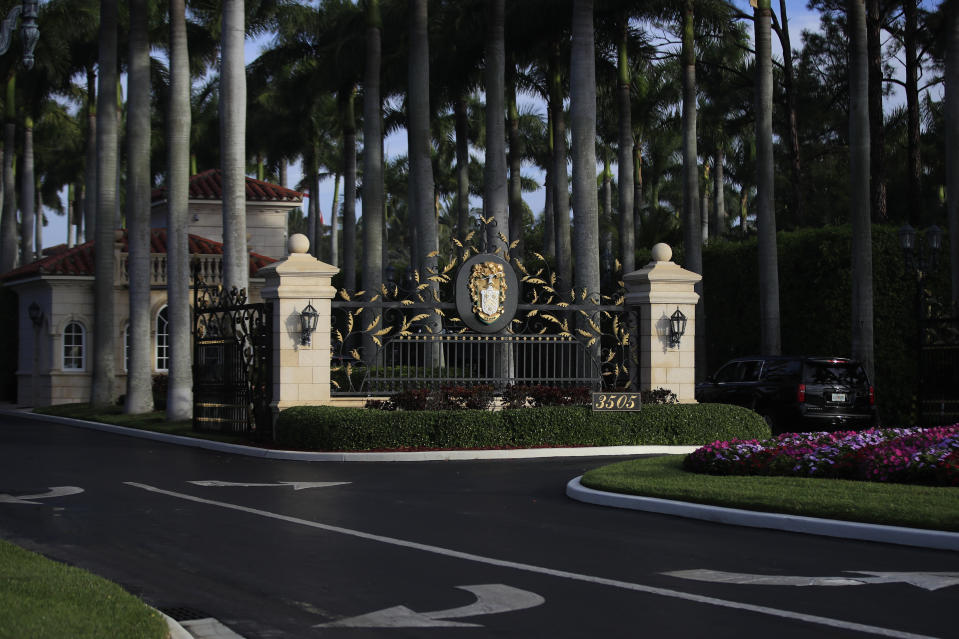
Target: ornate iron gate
[(939, 372), (232, 362)]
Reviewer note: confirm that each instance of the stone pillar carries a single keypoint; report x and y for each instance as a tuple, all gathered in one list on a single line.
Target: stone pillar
[(654, 293), (301, 374)]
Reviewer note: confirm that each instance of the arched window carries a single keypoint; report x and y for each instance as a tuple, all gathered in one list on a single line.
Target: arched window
[(74, 347), (163, 341)]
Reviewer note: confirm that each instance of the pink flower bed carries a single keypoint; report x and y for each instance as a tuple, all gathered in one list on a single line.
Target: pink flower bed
[(904, 455)]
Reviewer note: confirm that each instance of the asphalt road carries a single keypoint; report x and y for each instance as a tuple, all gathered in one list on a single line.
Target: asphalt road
[(437, 549)]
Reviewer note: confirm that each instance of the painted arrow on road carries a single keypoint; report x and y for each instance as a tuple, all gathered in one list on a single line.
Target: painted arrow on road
[(297, 485), (490, 599), (926, 580), (55, 491)]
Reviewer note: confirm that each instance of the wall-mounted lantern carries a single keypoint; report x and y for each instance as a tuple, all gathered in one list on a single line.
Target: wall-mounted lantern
[(29, 33), (36, 314), (677, 327), (308, 320)]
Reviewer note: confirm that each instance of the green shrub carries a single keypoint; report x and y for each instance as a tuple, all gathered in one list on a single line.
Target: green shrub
[(341, 429), (815, 297)]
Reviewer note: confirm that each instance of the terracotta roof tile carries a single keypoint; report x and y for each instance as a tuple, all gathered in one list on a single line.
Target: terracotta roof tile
[(79, 260), (208, 185)]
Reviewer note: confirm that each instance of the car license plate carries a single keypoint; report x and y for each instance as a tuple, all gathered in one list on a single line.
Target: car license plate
[(838, 397)]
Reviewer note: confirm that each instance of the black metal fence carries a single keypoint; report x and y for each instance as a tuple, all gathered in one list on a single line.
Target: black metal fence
[(543, 347)]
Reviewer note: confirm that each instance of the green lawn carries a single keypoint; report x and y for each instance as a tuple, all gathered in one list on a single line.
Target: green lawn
[(43, 599), (929, 507)]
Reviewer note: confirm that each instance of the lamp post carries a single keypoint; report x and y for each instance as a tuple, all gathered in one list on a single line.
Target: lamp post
[(920, 258), (29, 32)]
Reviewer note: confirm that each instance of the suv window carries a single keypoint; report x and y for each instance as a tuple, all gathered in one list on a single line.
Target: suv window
[(835, 373), (751, 371), (777, 370), (730, 373)]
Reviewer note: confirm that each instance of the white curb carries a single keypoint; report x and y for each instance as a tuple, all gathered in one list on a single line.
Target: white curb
[(792, 523)]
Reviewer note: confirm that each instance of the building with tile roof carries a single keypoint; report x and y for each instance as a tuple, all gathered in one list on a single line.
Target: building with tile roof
[(54, 364)]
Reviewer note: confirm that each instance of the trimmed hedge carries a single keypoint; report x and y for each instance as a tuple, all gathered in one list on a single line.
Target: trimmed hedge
[(815, 298), (343, 429)]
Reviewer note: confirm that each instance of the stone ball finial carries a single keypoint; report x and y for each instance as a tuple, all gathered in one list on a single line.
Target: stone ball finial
[(299, 243), (662, 253)]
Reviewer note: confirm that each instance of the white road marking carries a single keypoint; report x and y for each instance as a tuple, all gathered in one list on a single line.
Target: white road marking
[(55, 491), (297, 485), (927, 580), (491, 561), (490, 600)]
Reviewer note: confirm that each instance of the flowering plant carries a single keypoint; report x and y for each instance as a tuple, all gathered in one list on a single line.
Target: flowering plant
[(904, 455)]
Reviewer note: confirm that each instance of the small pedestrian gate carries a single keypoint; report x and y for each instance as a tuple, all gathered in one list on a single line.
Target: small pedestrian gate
[(232, 365), (939, 372)]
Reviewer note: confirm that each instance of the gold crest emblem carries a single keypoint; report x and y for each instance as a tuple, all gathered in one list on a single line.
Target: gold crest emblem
[(487, 286)]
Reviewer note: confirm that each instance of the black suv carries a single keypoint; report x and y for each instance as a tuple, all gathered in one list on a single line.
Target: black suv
[(796, 393)]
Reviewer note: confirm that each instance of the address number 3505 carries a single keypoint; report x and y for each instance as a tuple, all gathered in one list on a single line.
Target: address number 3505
[(616, 401)]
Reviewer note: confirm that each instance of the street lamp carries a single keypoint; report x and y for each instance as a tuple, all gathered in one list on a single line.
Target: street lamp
[(29, 31), (922, 259)]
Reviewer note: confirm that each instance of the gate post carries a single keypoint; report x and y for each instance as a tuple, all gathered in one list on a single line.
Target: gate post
[(656, 292), (301, 373)]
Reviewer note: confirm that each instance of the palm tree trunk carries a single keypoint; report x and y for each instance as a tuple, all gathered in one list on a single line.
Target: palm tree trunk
[(462, 169), (582, 116), (8, 224), (862, 295), (516, 152), (236, 258), (770, 340), (495, 192), (704, 202), (313, 207), (952, 144), (372, 173), (90, 182), (349, 189), (627, 230), (421, 166), (692, 230), (913, 150), (39, 225), (139, 397), (719, 193), (71, 216), (796, 201), (179, 404), (104, 340), (564, 257), (334, 230), (877, 135), (27, 195)]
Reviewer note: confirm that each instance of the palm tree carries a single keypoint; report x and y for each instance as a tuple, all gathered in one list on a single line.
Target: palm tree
[(564, 252), (236, 260), (372, 169), (8, 224), (495, 195), (582, 115), (104, 338), (952, 142), (692, 229), (862, 298), (27, 195), (179, 403), (766, 213), (627, 246), (139, 396)]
